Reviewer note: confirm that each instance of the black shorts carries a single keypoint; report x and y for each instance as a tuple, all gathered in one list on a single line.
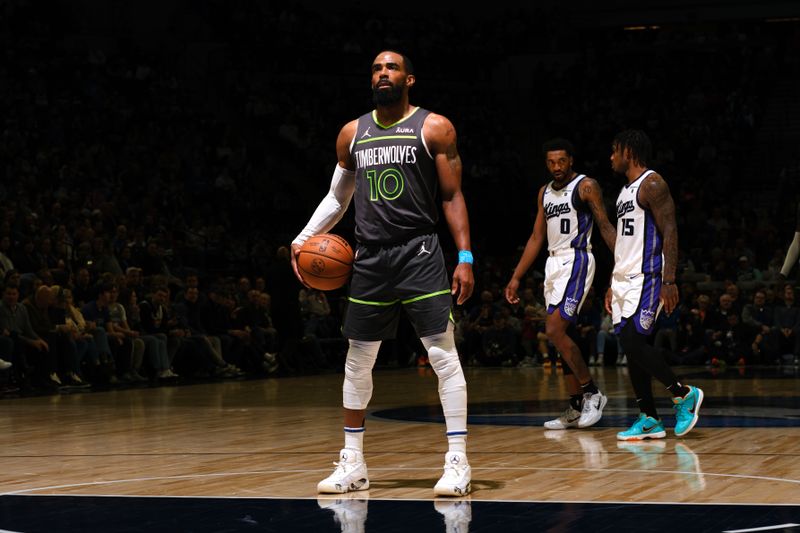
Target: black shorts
[(390, 278)]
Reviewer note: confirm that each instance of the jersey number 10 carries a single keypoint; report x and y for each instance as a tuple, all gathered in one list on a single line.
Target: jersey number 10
[(386, 186)]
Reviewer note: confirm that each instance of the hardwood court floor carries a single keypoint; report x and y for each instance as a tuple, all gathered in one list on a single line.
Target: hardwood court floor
[(275, 438)]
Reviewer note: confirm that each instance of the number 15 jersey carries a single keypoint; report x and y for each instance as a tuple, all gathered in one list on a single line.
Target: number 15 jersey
[(639, 243)]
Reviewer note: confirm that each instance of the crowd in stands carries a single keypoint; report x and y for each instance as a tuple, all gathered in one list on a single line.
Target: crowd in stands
[(147, 194), (718, 328)]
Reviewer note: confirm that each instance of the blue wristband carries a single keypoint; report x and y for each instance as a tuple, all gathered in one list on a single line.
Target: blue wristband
[(464, 256)]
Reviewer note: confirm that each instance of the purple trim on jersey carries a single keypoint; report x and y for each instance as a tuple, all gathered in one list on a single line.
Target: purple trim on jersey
[(581, 240), (651, 254), (573, 293)]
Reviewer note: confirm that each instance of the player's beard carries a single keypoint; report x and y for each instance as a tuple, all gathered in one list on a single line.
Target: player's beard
[(387, 97)]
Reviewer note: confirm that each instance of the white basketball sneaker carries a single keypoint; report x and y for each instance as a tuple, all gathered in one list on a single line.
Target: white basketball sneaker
[(457, 514), (592, 410), (349, 511), (350, 474), (457, 476), (568, 419)]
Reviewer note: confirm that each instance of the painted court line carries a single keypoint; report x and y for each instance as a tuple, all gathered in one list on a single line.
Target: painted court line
[(309, 470), (765, 528)]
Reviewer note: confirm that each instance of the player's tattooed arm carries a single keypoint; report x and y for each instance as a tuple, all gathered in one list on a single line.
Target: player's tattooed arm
[(592, 194), (654, 195)]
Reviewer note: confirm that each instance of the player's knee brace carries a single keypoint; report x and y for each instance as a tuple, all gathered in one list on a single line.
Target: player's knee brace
[(444, 360), (443, 356), (357, 389)]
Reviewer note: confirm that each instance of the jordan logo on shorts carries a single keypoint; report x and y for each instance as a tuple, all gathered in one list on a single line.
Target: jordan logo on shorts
[(422, 249)]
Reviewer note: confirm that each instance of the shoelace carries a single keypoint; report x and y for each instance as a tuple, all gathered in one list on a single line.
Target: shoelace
[(454, 471), (344, 467)]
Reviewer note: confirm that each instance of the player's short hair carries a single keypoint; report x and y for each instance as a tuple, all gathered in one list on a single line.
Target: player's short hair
[(637, 142), (558, 143), (407, 64)]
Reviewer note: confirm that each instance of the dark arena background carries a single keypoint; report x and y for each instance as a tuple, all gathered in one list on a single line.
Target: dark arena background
[(163, 155)]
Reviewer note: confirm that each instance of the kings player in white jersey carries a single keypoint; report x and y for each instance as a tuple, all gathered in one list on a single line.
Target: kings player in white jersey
[(643, 284), (568, 205)]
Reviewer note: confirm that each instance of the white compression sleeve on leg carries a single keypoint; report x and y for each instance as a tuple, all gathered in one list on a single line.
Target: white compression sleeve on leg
[(332, 208), (357, 389), (791, 255), (443, 357)]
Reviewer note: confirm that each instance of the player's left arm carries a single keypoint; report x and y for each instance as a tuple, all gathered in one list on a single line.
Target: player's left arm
[(440, 134), (654, 195), (591, 193), (793, 252)]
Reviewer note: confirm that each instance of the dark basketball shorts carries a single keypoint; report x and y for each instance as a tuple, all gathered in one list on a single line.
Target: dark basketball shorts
[(390, 279)]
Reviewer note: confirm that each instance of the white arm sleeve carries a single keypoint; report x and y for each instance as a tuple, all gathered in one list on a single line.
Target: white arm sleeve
[(791, 255), (332, 208)]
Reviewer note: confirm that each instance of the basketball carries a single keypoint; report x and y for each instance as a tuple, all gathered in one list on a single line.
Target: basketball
[(325, 261)]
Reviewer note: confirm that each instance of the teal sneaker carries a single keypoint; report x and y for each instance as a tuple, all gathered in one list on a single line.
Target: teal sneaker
[(645, 427), (687, 411)]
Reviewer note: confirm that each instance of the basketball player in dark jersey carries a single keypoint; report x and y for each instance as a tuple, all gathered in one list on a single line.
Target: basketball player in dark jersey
[(396, 163)]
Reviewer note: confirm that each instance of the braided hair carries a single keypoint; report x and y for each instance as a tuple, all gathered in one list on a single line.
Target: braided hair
[(637, 143)]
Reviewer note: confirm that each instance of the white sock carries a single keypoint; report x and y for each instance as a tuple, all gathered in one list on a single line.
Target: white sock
[(457, 441), (354, 438)]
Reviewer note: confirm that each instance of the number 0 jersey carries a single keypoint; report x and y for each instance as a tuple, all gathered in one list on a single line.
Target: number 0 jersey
[(569, 221), (639, 243), (396, 180)]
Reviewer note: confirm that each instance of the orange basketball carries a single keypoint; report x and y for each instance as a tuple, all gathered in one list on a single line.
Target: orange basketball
[(325, 261)]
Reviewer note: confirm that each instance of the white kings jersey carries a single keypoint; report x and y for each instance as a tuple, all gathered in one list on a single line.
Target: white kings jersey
[(569, 220), (639, 243)]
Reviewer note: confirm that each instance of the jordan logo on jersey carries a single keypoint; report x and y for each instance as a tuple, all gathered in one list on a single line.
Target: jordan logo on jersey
[(422, 249), (366, 133)]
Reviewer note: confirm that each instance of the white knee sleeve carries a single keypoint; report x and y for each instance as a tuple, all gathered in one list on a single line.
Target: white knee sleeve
[(443, 357), (357, 389)]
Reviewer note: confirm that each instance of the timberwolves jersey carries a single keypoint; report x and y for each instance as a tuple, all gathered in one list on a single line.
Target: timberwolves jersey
[(638, 248), (396, 180), (569, 222)]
